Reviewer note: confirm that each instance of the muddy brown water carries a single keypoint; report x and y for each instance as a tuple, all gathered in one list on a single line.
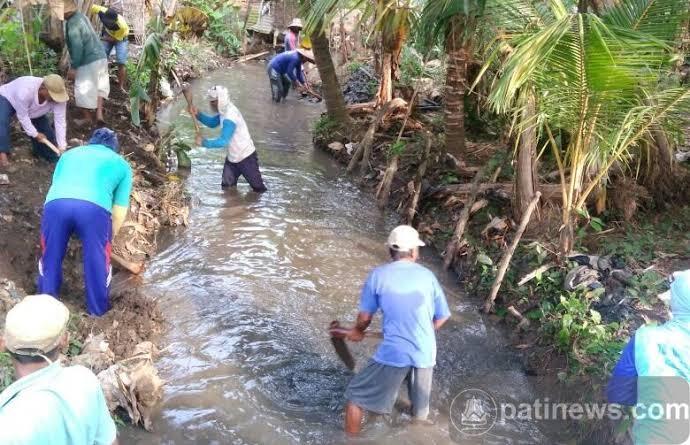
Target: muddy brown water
[(250, 287)]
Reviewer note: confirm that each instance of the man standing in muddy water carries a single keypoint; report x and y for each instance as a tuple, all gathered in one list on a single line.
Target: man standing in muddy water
[(414, 307), (89, 197), (234, 136)]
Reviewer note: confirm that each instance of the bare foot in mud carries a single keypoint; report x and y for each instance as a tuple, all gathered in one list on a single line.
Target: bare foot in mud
[(4, 161)]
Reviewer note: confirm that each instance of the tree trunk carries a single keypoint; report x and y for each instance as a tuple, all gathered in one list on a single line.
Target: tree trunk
[(455, 91), (526, 171), (332, 93), (391, 48), (385, 92)]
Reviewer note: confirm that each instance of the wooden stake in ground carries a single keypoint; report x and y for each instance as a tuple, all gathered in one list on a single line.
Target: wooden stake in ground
[(363, 151), (454, 243), (505, 261), (412, 209)]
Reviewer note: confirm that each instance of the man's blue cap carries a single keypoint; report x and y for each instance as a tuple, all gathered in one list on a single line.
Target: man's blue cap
[(105, 136), (680, 294)]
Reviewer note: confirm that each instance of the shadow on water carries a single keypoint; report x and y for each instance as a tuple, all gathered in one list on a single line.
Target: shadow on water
[(252, 284)]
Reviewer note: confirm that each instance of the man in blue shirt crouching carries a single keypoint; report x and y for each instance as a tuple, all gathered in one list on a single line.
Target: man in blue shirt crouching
[(414, 307), (285, 69)]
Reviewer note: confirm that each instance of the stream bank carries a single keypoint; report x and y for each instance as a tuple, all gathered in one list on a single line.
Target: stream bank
[(158, 202)]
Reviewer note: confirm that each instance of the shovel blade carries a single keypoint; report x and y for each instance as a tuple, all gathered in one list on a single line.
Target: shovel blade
[(343, 352)]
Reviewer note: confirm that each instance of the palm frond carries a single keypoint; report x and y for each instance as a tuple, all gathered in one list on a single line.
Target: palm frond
[(658, 18), (436, 19)]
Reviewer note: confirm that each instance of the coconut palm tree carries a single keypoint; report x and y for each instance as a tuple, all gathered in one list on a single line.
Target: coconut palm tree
[(333, 94), (454, 24), (595, 81), (392, 19)]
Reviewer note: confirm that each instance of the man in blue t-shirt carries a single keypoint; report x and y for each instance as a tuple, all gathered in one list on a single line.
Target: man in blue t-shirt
[(414, 307), (89, 197), (285, 69)]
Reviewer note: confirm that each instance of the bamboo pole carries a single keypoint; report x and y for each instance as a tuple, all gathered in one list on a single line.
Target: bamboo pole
[(505, 261), (26, 39)]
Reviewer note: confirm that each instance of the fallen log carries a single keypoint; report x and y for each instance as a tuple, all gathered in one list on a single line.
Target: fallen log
[(505, 261), (549, 191), (252, 56)]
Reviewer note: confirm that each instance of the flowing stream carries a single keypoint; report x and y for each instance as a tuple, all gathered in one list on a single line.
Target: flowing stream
[(250, 287)]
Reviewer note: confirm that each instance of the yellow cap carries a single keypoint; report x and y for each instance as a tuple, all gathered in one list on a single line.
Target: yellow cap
[(56, 87), (35, 324)]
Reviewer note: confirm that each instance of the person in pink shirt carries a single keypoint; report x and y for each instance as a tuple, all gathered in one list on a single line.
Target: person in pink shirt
[(31, 99)]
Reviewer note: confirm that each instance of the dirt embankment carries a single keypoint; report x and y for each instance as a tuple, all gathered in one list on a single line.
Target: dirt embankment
[(157, 202)]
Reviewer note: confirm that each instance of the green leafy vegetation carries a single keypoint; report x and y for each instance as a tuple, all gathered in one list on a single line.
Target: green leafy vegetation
[(224, 25), (578, 331), (14, 57), (324, 127)]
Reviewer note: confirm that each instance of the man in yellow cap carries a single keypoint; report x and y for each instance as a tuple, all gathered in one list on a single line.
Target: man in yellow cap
[(115, 35), (49, 403), (31, 99)]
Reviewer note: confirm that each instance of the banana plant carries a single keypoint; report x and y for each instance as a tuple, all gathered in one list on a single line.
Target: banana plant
[(146, 75)]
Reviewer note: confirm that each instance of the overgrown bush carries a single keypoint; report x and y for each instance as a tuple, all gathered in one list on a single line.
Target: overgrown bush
[(13, 48)]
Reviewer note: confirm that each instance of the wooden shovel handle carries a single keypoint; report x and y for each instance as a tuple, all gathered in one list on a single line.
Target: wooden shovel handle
[(188, 97), (50, 145), (135, 268)]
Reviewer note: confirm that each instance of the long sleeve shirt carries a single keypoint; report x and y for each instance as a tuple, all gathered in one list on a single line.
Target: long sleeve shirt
[(83, 43), (622, 387), (22, 94), (122, 31), (290, 64), (234, 134), (226, 132), (291, 40)]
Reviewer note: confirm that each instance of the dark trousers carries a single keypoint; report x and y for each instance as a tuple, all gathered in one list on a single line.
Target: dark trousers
[(280, 85), (42, 124), (93, 225), (247, 167)]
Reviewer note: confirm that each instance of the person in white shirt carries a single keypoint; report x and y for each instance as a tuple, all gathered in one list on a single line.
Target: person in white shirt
[(241, 158)]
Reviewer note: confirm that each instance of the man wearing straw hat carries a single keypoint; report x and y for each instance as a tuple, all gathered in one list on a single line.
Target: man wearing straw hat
[(292, 35), (286, 69), (89, 64), (31, 99), (49, 403)]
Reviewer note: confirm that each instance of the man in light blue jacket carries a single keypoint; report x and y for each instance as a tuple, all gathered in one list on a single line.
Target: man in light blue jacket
[(653, 372)]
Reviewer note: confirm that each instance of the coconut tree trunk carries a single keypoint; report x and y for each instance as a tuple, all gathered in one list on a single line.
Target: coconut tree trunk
[(455, 91), (390, 63), (332, 93), (526, 165)]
